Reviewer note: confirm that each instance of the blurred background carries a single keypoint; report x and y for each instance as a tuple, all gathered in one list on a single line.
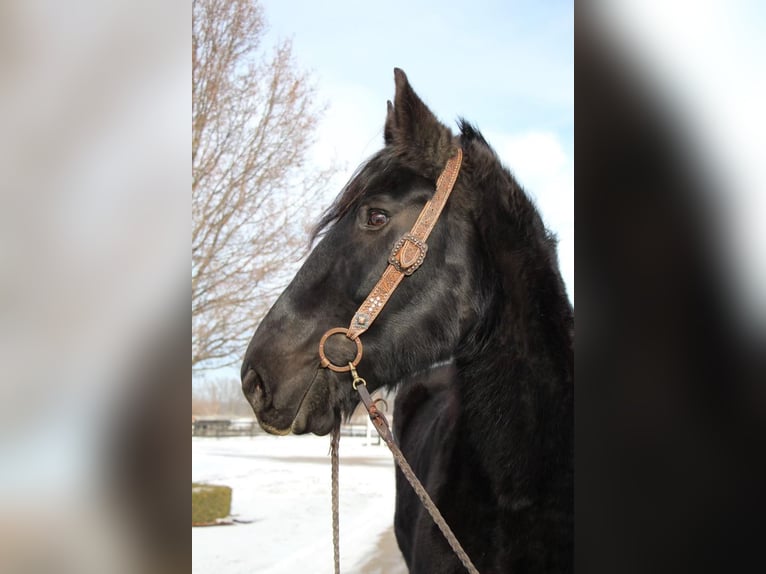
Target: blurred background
[(94, 219), (670, 397), (94, 244)]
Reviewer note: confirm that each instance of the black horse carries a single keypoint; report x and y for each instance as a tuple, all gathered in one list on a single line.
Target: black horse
[(478, 340)]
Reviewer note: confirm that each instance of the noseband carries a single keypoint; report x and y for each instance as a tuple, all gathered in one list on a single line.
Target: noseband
[(406, 256)]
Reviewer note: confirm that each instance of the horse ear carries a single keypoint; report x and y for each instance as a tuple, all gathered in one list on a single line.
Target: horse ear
[(388, 131), (411, 128)]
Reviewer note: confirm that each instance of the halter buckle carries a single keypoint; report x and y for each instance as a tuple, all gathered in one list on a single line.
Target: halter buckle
[(405, 261)]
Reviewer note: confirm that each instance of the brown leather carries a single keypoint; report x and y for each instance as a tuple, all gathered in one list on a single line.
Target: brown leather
[(409, 252), (406, 256), (377, 417)]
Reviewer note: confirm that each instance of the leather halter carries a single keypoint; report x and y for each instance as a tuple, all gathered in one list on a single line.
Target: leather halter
[(406, 256)]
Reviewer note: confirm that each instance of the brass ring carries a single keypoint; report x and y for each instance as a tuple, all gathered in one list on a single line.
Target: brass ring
[(326, 363)]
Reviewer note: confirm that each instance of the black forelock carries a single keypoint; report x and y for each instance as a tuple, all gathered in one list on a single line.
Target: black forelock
[(378, 166)]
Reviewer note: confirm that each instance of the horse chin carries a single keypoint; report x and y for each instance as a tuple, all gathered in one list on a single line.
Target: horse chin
[(273, 430), (315, 414), (318, 423)]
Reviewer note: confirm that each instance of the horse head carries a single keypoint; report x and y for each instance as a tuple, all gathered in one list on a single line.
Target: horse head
[(424, 320), (490, 267)]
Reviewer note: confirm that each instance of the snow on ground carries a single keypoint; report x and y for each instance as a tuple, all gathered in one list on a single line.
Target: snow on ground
[(283, 485)]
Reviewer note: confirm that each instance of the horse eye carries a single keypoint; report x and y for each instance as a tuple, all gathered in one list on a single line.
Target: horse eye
[(377, 218)]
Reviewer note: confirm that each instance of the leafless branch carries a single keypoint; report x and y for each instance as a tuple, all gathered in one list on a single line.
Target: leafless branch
[(254, 119)]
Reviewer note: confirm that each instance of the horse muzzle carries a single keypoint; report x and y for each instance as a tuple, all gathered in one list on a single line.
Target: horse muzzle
[(261, 401), (253, 389), (307, 410)]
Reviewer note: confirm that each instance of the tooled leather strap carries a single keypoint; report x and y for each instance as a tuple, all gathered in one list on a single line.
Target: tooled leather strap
[(409, 252), (406, 256)]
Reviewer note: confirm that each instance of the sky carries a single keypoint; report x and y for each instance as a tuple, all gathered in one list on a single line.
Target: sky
[(505, 66)]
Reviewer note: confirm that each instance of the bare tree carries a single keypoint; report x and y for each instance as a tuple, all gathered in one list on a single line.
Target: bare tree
[(253, 122)]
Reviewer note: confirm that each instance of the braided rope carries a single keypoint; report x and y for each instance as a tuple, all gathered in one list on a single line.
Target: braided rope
[(334, 445), (381, 425), (429, 505)]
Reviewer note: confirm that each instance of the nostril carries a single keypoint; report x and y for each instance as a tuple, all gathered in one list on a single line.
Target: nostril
[(256, 391), (250, 382)]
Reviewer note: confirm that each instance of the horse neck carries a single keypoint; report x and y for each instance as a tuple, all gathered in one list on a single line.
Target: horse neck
[(515, 368)]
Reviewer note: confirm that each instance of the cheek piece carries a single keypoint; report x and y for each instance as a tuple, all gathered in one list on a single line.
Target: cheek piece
[(406, 256)]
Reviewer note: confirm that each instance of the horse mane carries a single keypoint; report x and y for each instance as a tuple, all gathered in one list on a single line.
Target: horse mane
[(516, 366)]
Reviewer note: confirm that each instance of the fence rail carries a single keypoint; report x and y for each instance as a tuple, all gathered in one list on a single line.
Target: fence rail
[(221, 427)]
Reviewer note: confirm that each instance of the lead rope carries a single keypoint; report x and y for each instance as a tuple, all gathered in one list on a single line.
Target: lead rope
[(334, 445), (381, 425)]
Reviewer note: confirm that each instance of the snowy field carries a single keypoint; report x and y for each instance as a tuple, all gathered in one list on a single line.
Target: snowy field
[(282, 484)]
